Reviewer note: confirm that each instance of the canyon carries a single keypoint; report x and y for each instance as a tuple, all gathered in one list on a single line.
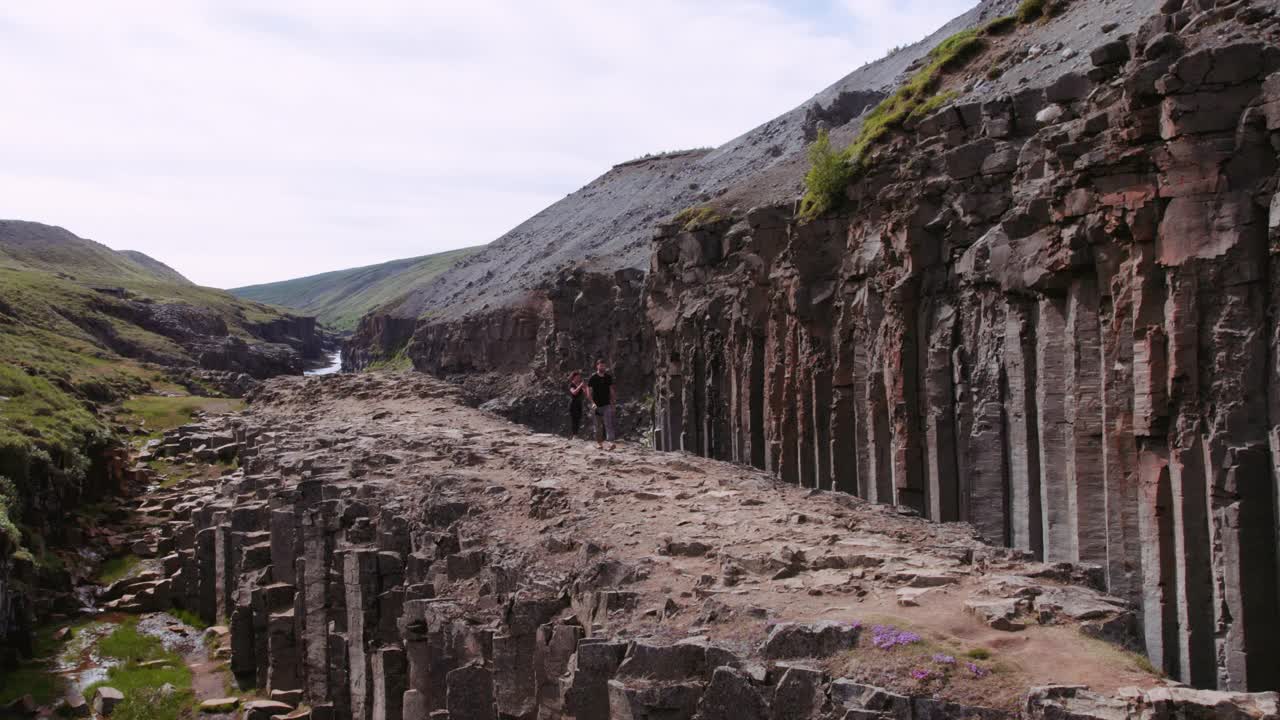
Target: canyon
[(1044, 309), (383, 551), (85, 330), (975, 415)]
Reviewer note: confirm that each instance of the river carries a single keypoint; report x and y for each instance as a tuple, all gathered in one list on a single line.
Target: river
[(335, 365)]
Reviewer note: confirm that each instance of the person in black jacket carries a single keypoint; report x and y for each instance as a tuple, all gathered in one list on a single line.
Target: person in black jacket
[(604, 397), (577, 391)]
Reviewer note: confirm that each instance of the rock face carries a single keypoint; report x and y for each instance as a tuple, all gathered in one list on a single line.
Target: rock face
[(580, 316), (1051, 314)]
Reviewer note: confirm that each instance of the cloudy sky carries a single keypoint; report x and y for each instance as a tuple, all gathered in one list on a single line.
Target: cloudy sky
[(243, 141)]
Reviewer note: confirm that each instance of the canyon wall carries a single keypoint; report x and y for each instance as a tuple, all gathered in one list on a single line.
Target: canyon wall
[(56, 487), (578, 317), (1051, 314)]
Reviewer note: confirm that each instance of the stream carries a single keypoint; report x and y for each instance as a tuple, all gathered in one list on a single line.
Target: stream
[(334, 366)]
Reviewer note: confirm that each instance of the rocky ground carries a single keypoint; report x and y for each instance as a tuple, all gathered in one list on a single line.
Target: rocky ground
[(385, 551)]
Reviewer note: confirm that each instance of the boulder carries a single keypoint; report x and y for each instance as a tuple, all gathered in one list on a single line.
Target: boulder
[(264, 709), (74, 705), (810, 640), (731, 696), (998, 613), (106, 699), (680, 661), (220, 705)]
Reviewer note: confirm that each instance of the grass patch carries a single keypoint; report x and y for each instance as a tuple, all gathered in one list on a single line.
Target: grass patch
[(117, 568), (34, 678), (189, 618), (144, 698), (129, 644), (1030, 10), (978, 654), (830, 172), (916, 662), (35, 681), (174, 473), (695, 218), (1001, 25), (158, 413), (399, 362), (67, 349)]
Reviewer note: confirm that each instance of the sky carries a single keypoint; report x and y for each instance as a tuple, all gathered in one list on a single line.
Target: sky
[(242, 141)]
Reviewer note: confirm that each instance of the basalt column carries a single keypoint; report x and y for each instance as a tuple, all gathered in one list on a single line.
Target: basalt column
[(1051, 314)]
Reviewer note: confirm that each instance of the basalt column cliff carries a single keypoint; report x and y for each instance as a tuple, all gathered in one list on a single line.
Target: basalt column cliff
[(1051, 314)]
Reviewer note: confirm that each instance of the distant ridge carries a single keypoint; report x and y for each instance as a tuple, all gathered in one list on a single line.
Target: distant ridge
[(340, 298), (49, 248), (156, 267)]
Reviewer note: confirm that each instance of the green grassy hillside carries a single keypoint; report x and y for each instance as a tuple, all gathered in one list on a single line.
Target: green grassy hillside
[(340, 298), (36, 246), (157, 268), (82, 327)]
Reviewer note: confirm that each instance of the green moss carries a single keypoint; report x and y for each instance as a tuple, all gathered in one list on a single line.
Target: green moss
[(8, 499), (830, 172), (978, 654), (117, 568), (697, 217)]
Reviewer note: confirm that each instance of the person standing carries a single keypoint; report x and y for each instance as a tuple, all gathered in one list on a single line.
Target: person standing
[(577, 391), (604, 397)]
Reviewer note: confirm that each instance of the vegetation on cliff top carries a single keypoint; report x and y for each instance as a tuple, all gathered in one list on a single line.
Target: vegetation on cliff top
[(697, 217), (831, 171), (340, 298)]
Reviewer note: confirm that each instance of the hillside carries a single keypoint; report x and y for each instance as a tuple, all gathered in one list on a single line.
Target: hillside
[(608, 223), (494, 310), (86, 333), (69, 305), (82, 324), (46, 248), (339, 299), (155, 267)]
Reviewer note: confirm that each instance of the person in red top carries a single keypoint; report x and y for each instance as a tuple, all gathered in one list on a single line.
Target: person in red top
[(604, 396)]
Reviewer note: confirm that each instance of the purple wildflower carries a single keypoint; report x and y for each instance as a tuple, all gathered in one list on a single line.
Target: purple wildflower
[(977, 671), (887, 637), (921, 674), (944, 659)]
